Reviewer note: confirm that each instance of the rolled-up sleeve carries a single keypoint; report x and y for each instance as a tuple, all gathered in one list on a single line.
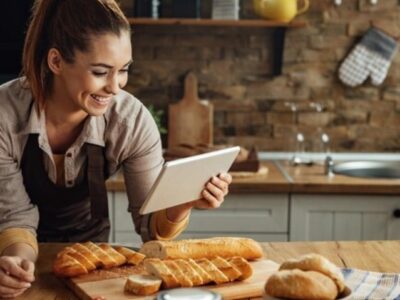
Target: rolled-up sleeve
[(18, 216)]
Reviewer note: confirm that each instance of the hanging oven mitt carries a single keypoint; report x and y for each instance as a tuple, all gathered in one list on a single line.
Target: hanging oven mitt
[(371, 57)]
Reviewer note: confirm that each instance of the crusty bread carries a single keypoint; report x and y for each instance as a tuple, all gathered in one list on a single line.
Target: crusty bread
[(189, 272), (298, 284), (226, 267), (216, 275), (203, 248), (132, 257), (119, 258), (205, 277), (67, 266), (106, 260), (316, 262), (157, 267), (87, 253), (184, 280), (243, 266), (142, 284), (85, 262)]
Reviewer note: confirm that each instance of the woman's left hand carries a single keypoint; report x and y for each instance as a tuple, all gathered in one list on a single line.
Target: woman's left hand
[(215, 191)]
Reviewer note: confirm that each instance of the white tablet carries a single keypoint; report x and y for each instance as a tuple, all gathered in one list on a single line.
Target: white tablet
[(183, 180)]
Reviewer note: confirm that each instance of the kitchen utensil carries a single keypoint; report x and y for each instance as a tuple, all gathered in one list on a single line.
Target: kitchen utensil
[(279, 10), (190, 121)]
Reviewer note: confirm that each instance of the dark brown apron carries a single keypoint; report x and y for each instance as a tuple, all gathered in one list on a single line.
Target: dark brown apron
[(75, 214)]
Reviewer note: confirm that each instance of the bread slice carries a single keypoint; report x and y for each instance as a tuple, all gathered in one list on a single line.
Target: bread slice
[(243, 266), (298, 284), (142, 284), (87, 253), (318, 263), (226, 267), (203, 248), (119, 258), (216, 275), (183, 279), (67, 266), (86, 263), (156, 267), (106, 260), (205, 277), (189, 272), (132, 257)]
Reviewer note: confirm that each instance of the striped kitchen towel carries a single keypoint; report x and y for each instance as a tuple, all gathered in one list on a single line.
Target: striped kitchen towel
[(372, 285)]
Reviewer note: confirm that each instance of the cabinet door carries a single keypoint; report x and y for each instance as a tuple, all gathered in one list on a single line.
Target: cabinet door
[(123, 229), (343, 217), (260, 216)]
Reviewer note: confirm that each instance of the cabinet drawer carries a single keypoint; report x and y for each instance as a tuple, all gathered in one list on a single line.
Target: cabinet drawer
[(256, 213)]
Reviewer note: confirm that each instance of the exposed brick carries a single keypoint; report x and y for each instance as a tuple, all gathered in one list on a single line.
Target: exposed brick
[(365, 5), (315, 119)]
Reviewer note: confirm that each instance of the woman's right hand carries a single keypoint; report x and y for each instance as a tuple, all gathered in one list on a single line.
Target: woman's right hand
[(16, 276)]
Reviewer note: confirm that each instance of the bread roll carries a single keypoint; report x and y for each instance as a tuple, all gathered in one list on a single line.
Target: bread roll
[(142, 284), (203, 248), (318, 263), (297, 284)]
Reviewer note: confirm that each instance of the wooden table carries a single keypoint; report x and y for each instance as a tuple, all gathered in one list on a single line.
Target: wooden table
[(379, 256)]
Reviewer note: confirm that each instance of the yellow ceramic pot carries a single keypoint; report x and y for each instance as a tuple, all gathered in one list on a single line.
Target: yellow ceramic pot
[(279, 10)]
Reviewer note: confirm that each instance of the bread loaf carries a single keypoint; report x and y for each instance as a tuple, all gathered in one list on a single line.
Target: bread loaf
[(316, 262), (297, 284), (185, 272), (80, 259), (310, 276), (203, 248)]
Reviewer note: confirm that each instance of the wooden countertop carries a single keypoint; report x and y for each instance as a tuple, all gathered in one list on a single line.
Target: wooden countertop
[(285, 178), (379, 256)]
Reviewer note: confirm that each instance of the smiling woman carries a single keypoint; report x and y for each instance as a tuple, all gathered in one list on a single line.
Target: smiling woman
[(65, 127)]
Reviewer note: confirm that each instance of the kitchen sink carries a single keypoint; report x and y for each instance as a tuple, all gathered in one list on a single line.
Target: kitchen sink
[(368, 169)]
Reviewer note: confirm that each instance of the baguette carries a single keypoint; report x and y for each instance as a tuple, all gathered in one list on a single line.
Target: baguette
[(189, 272), (216, 275), (205, 277), (87, 253), (157, 268), (142, 284), (183, 279), (243, 266), (132, 257), (85, 262), (227, 268), (203, 248), (106, 260), (119, 258), (298, 284), (67, 266)]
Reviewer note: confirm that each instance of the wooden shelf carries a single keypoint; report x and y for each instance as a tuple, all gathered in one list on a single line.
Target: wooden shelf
[(211, 22)]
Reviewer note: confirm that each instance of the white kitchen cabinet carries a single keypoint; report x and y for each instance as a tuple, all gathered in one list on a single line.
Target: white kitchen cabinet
[(343, 217), (263, 217)]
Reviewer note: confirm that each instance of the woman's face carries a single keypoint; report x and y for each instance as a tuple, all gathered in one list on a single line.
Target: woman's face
[(95, 76)]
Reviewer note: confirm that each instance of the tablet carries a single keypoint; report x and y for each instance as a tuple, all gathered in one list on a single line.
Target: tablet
[(182, 180)]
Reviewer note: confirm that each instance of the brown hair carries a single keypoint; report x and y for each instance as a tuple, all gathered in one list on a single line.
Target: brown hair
[(66, 25)]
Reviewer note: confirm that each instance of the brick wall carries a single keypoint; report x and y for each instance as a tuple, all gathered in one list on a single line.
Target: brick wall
[(233, 65)]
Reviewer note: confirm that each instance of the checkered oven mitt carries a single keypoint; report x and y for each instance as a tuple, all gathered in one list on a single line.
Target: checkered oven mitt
[(371, 57)]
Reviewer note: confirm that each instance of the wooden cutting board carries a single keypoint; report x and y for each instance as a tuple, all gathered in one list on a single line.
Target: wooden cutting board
[(190, 121), (92, 286)]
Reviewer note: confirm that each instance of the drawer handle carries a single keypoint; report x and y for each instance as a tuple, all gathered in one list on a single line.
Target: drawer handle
[(396, 213)]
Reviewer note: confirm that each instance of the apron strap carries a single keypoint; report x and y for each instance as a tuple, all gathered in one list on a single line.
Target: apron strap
[(96, 182)]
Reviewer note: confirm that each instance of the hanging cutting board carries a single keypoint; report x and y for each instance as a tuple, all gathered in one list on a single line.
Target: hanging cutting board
[(190, 121), (91, 286)]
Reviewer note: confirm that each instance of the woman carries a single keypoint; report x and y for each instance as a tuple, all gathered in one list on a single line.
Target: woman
[(65, 127)]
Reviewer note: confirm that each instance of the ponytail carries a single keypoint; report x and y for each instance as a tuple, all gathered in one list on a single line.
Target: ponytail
[(66, 25)]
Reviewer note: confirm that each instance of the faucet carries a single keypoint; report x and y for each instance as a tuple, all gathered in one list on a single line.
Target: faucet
[(329, 166)]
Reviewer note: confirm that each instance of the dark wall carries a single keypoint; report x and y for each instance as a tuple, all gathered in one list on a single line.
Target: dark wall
[(14, 17)]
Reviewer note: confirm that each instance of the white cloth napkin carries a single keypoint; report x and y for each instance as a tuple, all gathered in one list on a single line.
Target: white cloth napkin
[(372, 285)]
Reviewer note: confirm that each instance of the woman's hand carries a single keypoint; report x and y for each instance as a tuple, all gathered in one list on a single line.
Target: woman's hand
[(215, 191), (213, 196), (16, 276)]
